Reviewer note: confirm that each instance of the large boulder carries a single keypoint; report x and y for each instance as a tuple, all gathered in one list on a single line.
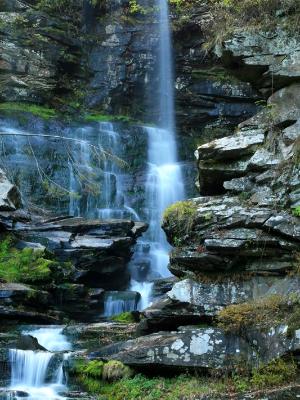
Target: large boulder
[(28, 342), (202, 348)]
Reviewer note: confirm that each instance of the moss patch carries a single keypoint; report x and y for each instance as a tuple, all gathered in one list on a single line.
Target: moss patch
[(126, 318), (262, 313), (27, 265), (105, 117), (36, 110), (276, 373), (180, 216)]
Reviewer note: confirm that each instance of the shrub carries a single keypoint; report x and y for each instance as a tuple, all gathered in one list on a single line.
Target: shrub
[(262, 313), (27, 265), (275, 373), (228, 15)]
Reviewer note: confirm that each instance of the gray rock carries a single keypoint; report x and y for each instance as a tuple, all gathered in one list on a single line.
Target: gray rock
[(28, 342), (211, 297), (10, 198), (202, 348), (205, 348), (277, 50), (232, 146)]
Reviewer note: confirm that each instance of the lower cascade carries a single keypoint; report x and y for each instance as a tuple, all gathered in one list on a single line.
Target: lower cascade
[(164, 186), (39, 374)]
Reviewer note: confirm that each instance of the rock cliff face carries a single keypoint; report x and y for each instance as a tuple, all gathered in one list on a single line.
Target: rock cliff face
[(105, 59), (234, 300), (238, 243)]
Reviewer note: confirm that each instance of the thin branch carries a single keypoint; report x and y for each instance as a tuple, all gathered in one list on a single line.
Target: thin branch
[(96, 148)]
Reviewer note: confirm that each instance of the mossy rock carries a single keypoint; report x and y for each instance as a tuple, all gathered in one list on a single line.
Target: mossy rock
[(116, 370)]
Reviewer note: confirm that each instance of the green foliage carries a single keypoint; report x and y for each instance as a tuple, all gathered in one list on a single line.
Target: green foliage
[(135, 7), (296, 211), (92, 369), (125, 317), (39, 111), (142, 387), (181, 217), (27, 265), (263, 313), (277, 372), (106, 117)]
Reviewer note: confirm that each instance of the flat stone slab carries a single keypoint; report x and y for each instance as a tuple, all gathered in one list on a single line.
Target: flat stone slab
[(202, 348), (231, 146)]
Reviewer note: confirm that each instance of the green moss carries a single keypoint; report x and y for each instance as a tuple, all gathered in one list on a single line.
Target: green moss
[(115, 370), (106, 117), (296, 211), (181, 217), (93, 369), (27, 265), (126, 318), (38, 111), (276, 373), (142, 387), (263, 313)]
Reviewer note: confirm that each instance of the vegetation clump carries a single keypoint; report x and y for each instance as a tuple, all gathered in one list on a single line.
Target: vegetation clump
[(125, 317), (263, 313), (275, 373), (180, 216), (296, 211), (228, 15), (26, 265), (38, 111), (115, 370), (105, 117)]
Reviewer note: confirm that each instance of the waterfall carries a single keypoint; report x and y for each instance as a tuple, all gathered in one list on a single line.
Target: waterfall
[(96, 180), (118, 302), (164, 183), (166, 81), (34, 372)]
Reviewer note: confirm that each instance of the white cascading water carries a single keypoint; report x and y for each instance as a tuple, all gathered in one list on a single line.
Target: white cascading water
[(116, 303), (30, 369), (164, 184), (106, 198)]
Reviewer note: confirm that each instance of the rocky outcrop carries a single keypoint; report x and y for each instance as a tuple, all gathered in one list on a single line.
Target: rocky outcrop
[(28, 342), (238, 242), (90, 256), (91, 336), (202, 348), (97, 249)]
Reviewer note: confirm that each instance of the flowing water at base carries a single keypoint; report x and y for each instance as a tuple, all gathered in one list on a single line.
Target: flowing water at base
[(39, 375)]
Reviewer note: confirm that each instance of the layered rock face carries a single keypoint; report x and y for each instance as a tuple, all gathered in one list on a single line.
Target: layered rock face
[(238, 243), (105, 59), (90, 258)]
